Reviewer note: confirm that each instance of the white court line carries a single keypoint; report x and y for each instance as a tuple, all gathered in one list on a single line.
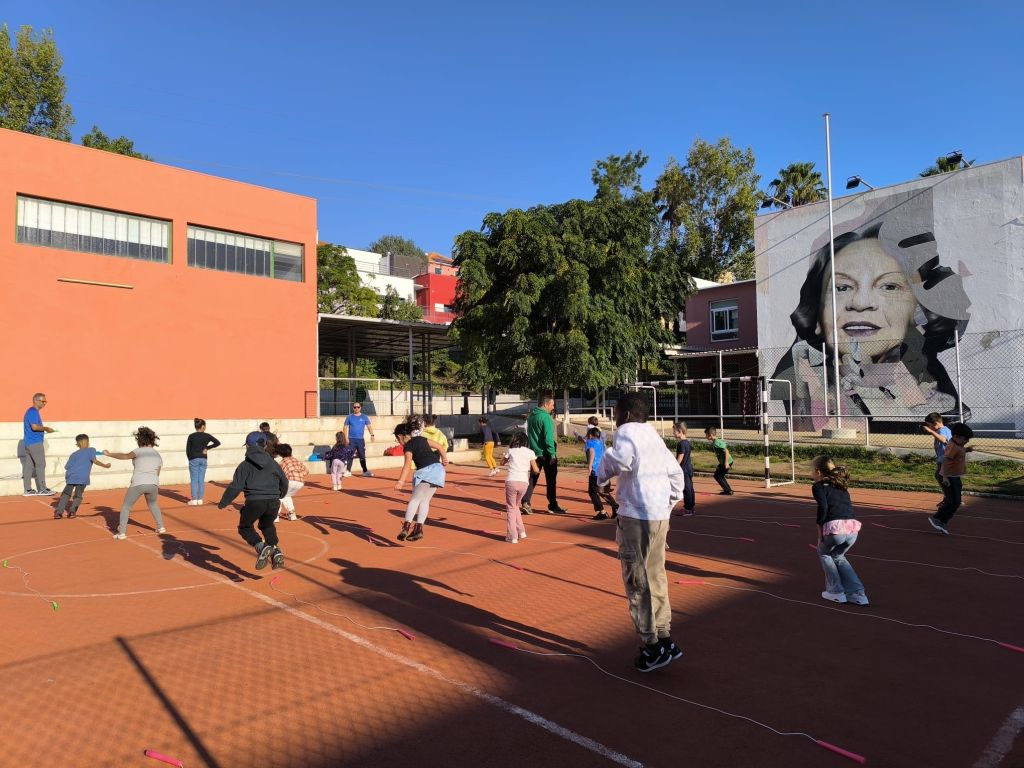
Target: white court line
[(513, 709), (1002, 742)]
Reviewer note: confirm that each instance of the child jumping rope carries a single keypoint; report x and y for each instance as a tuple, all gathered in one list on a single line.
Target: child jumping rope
[(521, 461), (837, 532), (952, 471), (337, 459), (146, 462), (430, 459), (264, 484)]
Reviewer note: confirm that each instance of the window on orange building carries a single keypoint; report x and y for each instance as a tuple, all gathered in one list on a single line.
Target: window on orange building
[(234, 252)]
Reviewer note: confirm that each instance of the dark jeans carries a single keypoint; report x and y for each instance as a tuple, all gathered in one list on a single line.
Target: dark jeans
[(359, 444), (72, 493), (689, 496), (550, 469), (951, 503), (720, 472), (599, 493), (263, 510)]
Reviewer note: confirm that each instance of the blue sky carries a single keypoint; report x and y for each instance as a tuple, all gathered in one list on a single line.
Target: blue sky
[(418, 118)]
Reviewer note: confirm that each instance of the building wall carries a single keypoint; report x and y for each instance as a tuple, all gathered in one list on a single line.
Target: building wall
[(374, 270), (182, 341), (936, 257), (436, 290), (698, 315)]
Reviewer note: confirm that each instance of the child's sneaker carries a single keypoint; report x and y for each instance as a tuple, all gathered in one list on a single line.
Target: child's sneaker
[(939, 526), (651, 657), (336, 488), (525, 508), (858, 599), (29, 492), (522, 535), (120, 537), (417, 532), (673, 651), (600, 516), (404, 533), (263, 553), (511, 540), (72, 515), (57, 515), (348, 473), (835, 597), (277, 560), (367, 473), (45, 492), (161, 530)]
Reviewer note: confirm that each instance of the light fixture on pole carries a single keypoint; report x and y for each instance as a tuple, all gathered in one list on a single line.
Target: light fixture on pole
[(856, 181), (769, 201), (832, 271)]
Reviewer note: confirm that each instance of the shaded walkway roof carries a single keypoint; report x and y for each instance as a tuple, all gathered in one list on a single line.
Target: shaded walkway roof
[(353, 337)]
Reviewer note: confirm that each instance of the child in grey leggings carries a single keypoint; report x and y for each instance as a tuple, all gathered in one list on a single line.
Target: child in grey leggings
[(430, 459), (145, 479)]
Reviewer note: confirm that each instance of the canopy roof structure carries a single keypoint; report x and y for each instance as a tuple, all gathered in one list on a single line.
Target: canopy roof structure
[(349, 337)]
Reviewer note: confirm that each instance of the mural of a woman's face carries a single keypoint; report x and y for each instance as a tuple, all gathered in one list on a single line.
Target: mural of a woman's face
[(875, 306)]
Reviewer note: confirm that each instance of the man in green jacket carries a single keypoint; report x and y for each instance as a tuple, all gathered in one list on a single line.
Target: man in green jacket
[(540, 431)]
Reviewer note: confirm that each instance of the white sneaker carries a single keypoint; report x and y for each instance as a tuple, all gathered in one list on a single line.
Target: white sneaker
[(161, 530), (835, 597), (277, 519), (858, 599), (511, 541), (492, 473), (293, 516), (120, 536), (347, 474), (336, 488), (522, 535)]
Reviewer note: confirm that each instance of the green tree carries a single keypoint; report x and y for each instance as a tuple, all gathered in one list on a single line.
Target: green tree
[(712, 201), (944, 165), (619, 175), (339, 289), (560, 296), (32, 89), (394, 307), (408, 258), (797, 184), (122, 145)]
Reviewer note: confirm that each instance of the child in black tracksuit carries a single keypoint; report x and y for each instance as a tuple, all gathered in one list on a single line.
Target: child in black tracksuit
[(264, 484)]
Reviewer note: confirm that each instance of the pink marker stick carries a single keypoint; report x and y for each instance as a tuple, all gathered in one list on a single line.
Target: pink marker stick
[(502, 643), (407, 635), (163, 758), (275, 580), (840, 751), (1016, 648)]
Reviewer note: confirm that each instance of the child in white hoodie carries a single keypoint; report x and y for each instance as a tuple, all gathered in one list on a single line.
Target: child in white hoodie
[(651, 482)]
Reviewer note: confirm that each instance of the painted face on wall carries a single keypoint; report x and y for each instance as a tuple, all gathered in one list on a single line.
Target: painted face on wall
[(874, 303)]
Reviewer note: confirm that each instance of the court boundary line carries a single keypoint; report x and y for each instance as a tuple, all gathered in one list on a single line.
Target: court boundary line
[(1001, 744)]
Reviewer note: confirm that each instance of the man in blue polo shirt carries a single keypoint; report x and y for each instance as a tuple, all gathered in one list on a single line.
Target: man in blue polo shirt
[(356, 425), (35, 458)]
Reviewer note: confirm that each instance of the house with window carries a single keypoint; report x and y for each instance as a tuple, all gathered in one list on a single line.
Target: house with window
[(435, 289), (719, 339), (139, 291)]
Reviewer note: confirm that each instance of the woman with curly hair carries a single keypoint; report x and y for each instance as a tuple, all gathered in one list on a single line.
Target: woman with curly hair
[(145, 478)]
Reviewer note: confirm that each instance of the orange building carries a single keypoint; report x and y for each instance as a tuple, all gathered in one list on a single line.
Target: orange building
[(134, 290)]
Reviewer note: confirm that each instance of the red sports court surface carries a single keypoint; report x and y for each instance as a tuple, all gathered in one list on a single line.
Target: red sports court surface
[(176, 644)]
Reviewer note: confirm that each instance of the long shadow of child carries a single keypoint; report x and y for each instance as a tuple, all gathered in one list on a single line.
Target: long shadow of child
[(202, 556)]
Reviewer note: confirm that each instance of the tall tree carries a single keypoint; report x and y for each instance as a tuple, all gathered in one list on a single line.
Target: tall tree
[(944, 165), (122, 145), (797, 184), (619, 175), (408, 258), (32, 89), (671, 191), (713, 201), (560, 295), (339, 289), (394, 307)]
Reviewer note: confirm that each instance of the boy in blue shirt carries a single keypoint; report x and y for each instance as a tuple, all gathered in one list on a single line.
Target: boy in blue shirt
[(595, 452), (684, 455), (77, 472), (941, 435)]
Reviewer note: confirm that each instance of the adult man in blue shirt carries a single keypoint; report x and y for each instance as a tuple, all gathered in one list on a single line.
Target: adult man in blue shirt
[(35, 457), (356, 425)]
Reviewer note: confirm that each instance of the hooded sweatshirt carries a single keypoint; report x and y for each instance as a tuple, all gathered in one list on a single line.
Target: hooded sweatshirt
[(650, 479), (258, 477)]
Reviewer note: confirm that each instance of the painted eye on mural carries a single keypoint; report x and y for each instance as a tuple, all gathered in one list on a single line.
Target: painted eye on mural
[(892, 287), (843, 288)]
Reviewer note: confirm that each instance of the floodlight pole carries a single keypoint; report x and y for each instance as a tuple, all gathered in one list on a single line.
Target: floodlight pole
[(832, 269)]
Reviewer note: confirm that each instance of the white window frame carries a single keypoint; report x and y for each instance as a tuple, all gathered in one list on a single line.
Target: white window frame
[(724, 307)]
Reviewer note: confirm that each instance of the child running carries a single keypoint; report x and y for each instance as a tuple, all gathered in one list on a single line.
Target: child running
[(77, 472), (490, 439), (650, 484), (953, 469), (684, 455), (941, 435), (296, 473), (264, 484), (724, 459), (145, 480), (837, 532), (430, 459), (594, 448), (521, 461), (337, 459)]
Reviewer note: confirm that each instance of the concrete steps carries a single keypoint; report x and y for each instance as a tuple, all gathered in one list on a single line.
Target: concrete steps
[(301, 434)]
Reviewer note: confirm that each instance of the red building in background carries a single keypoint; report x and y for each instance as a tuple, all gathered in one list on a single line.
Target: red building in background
[(435, 289)]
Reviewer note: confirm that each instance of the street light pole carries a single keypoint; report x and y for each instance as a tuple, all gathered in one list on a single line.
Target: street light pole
[(832, 269)]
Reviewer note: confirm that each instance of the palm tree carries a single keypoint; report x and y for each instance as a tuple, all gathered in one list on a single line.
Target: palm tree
[(797, 184), (945, 164)]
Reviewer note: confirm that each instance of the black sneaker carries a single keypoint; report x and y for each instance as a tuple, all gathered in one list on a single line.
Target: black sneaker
[(651, 657), (58, 516), (600, 516), (556, 510), (263, 553), (72, 515), (939, 526), (45, 492), (404, 533), (277, 561), (525, 508), (673, 651), (417, 532), (29, 492)]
